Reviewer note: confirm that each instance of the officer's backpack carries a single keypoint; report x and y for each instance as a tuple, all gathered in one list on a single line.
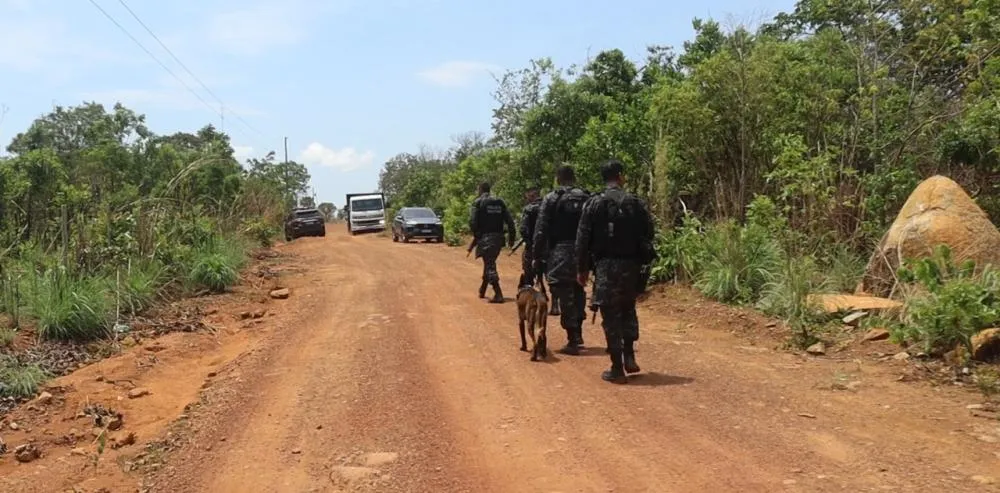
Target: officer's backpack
[(624, 223), (569, 205)]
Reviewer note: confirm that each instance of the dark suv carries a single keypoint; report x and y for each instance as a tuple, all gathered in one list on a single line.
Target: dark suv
[(304, 222), (417, 222)]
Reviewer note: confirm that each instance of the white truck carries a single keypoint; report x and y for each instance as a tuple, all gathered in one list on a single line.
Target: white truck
[(365, 212)]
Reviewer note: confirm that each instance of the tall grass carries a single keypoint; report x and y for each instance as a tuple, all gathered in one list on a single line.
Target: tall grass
[(68, 307), (739, 262), (7, 337), (139, 285), (787, 297), (12, 296), (843, 268), (19, 380), (215, 266)]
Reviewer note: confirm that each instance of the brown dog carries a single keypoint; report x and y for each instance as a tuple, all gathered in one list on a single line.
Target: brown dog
[(533, 311)]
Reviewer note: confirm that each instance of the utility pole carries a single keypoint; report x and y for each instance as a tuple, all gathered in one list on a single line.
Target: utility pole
[(3, 116), (222, 119), (284, 171)]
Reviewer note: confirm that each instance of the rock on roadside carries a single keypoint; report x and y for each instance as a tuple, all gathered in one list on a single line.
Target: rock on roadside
[(876, 334), (281, 293), (817, 349), (138, 392), (986, 345), (27, 453), (44, 399)]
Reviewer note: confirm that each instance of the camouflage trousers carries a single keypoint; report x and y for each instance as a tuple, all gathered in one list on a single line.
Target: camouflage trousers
[(490, 273), (572, 303), (488, 249), (615, 291), (620, 323)]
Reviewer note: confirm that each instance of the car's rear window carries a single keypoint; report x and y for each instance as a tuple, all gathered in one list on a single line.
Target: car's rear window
[(307, 214)]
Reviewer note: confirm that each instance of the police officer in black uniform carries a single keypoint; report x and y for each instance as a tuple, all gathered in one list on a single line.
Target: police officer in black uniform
[(616, 234), (529, 216), (487, 219), (554, 251)]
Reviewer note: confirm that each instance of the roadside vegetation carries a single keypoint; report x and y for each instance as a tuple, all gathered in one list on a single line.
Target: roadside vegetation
[(774, 157), (101, 219)]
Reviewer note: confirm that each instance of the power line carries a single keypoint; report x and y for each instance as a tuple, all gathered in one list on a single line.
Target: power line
[(186, 69), (151, 55)]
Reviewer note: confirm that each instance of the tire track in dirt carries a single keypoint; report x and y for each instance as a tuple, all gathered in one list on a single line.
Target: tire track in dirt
[(335, 393)]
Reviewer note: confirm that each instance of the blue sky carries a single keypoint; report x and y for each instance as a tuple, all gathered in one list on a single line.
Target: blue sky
[(350, 83)]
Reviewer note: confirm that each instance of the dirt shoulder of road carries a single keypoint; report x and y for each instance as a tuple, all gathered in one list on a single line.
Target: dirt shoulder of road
[(101, 426)]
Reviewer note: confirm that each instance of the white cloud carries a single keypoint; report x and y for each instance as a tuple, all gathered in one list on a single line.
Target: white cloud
[(345, 159), (242, 153), (456, 73)]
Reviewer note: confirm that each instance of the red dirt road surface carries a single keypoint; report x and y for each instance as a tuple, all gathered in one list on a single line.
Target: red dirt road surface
[(384, 373)]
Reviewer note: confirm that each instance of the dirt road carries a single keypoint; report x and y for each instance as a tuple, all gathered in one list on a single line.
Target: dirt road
[(391, 376)]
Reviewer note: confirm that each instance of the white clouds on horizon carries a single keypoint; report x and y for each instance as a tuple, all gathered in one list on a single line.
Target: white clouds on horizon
[(242, 153), (456, 73), (344, 159)]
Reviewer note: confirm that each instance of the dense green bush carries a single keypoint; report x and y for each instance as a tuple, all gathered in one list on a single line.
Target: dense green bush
[(948, 304)]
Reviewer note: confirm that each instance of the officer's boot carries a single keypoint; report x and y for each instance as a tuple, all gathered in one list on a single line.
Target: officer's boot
[(482, 288), (554, 309), (497, 293), (628, 357), (617, 373), (571, 348)]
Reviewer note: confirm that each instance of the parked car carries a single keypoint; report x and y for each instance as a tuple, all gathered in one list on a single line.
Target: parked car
[(304, 222), (417, 223)]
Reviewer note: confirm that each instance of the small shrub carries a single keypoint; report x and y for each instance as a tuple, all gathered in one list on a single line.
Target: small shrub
[(787, 296), (452, 238), (262, 232), (70, 308), (680, 253), (738, 263), (214, 271), (843, 267), (216, 266), (139, 286), (949, 305), (7, 337), (763, 213), (988, 381), (18, 380)]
